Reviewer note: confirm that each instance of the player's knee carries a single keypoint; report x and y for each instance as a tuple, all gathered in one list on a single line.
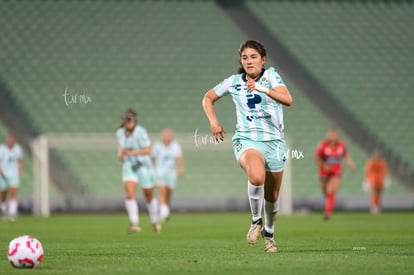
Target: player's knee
[(256, 178)]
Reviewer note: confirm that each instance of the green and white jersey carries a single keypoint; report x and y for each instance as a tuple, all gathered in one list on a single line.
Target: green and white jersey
[(138, 139), (259, 117), (165, 157), (9, 159)]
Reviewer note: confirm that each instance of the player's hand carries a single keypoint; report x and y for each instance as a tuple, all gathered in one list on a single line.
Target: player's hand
[(180, 172), (251, 85), (127, 152), (217, 131), (254, 86)]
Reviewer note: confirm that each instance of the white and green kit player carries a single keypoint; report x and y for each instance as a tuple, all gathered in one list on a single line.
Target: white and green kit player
[(137, 168), (259, 145), (11, 169), (169, 164)]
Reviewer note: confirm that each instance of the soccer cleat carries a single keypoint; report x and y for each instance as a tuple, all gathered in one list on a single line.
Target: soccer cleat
[(270, 245), (254, 232), (156, 227), (134, 229), (269, 242), (326, 217)]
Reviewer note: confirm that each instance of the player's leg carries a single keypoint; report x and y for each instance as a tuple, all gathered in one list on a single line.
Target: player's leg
[(152, 206), (163, 200), (252, 162), (131, 205), (375, 199), (3, 202), (332, 186), (13, 203), (146, 178), (271, 207), (3, 196)]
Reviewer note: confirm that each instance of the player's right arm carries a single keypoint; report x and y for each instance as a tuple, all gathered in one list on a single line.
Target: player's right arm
[(120, 153), (210, 97)]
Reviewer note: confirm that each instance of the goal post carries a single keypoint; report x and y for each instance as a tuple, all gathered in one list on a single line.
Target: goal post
[(285, 195), (40, 160)]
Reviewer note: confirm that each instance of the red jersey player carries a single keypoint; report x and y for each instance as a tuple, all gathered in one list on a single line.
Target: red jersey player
[(329, 155)]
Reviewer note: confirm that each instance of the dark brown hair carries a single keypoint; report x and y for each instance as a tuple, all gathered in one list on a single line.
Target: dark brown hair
[(129, 114), (253, 44)]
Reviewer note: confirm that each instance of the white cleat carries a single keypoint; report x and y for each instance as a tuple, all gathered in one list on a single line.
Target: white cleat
[(134, 229), (254, 233), (270, 245)]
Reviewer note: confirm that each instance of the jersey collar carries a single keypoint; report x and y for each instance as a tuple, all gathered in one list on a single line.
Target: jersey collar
[(243, 76)]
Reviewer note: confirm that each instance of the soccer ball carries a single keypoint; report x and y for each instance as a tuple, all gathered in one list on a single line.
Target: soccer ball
[(25, 252)]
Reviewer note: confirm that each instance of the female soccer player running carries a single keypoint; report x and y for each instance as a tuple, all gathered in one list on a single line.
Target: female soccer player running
[(328, 157), (258, 142), (134, 152), (11, 169), (169, 164)]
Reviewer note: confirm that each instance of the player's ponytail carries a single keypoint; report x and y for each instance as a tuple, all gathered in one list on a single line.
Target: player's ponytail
[(253, 45)]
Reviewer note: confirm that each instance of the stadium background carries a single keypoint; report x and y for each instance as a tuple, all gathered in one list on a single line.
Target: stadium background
[(346, 63)]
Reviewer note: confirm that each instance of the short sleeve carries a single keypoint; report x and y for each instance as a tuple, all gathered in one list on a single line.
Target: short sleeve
[(119, 134), (319, 150), (154, 151), (274, 78), (177, 150), (223, 88), (143, 138), (19, 152)]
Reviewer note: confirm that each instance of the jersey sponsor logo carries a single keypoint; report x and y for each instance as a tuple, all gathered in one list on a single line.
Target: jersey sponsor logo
[(251, 118), (252, 100)]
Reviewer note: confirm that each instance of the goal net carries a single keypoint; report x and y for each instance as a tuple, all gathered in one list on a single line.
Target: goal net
[(212, 181)]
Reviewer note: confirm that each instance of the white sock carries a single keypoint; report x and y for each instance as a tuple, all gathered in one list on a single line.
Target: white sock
[(3, 208), (13, 208), (132, 210), (164, 211), (270, 210), (256, 197), (153, 211)]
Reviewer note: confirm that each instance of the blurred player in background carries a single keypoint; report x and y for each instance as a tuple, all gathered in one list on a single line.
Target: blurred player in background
[(329, 155), (258, 142), (169, 164), (11, 169), (134, 149), (376, 172)]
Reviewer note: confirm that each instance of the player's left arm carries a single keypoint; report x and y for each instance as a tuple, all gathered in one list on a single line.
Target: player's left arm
[(20, 167), (279, 93), (20, 160), (277, 90), (349, 162), (180, 165)]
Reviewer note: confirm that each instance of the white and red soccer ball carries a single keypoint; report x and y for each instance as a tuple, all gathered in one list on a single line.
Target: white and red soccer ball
[(25, 252)]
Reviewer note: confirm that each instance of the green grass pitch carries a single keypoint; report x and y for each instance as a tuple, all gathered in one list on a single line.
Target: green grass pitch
[(214, 243)]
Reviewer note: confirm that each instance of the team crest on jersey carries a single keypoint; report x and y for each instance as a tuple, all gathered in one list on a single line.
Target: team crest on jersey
[(264, 82)]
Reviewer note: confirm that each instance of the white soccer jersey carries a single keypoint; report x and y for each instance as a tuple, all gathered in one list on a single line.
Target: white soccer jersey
[(259, 117), (138, 139), (9, 159), (166, 157)]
